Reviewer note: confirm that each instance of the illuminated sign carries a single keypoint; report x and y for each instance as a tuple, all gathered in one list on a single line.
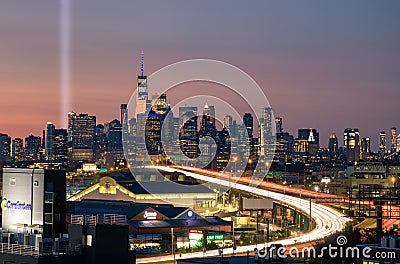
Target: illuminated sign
[(5, 204), (195, 238), (190, 213), (215, 237), (150, 215), (89, 167)]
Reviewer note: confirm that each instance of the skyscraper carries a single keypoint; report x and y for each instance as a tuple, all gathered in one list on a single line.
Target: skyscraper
[(208, 138), (17, 149), (248, 123), (393, 131), (312, 137), (207, 127), (382, 142), (188, 133), (365, 147), (49, 141), (82, 132), (228, 121), (5, 147), (142, 101), (309, 134), (60, 144), (56, 143), (351, 138), (33, 146), (153, 133), (266, 135), (398, 143), (114, 138), (333, 143), (124, 114), (279, 124), (284, 146)]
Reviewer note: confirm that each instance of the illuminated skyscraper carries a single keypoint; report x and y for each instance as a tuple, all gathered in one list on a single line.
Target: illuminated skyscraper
[(207, 127), (188, 133), (60, 146), (365, 147), (82, 133), (382, 142), (142, 101), (114, 138), (17, 149), (32, 147), (311, 135), (49, 141), (208, 138), (228, 121), (284, 146), (393, 131), (266, 133), (251, 142), (56, 143), (153, 133), (351, 138), (124, 114), (248, 123), (398, 143), (279, 125), (333, 143), (5, 148)]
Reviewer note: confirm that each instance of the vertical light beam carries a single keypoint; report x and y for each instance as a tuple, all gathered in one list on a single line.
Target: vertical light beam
[(65, 70)]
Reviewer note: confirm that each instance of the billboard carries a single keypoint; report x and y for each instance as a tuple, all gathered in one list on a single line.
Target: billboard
[(257, 204)]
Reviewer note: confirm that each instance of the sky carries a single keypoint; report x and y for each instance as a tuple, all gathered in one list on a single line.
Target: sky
[(323, 64)]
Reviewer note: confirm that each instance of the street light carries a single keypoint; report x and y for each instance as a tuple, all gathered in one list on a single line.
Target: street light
[(172, 244), (250, 162), (393, 179)]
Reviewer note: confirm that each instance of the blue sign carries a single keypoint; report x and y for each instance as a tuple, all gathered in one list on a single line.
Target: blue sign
[(5, 204)]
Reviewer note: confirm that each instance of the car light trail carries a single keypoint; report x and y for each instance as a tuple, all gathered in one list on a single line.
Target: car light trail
[(327, 220)]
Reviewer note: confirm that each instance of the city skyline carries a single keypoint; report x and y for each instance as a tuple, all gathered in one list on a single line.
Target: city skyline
[(323, 142), (343, 58), (235, 131)]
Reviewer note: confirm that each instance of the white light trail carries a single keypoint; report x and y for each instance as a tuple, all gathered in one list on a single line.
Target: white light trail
[(327, 220)]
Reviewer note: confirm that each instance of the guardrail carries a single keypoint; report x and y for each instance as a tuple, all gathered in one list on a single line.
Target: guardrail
[(16, 249)]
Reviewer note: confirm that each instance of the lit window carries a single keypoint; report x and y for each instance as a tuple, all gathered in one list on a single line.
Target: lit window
[(12, 181)]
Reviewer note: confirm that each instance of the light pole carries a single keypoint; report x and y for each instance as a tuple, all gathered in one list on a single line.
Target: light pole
[(172, 244), (234, 161), (267, 167)]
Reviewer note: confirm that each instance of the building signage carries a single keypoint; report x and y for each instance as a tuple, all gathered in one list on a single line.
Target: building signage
[(150, 215), (6, 204), (215, 237), (89, 167)]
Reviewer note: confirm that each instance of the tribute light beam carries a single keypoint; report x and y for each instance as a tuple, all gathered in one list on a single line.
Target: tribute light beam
[(65, 53)]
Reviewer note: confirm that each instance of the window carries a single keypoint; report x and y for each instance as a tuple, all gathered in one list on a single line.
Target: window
[(12, 181), (89, 240), (36, 183)]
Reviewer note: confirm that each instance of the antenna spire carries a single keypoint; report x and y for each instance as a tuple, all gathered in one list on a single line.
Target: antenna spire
[(142, 66)]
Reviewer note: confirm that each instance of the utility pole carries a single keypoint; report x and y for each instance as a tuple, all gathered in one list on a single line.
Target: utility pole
[(172, 243), (310, 223)]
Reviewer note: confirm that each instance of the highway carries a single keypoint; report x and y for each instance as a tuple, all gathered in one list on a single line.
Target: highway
[(327, 220)]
